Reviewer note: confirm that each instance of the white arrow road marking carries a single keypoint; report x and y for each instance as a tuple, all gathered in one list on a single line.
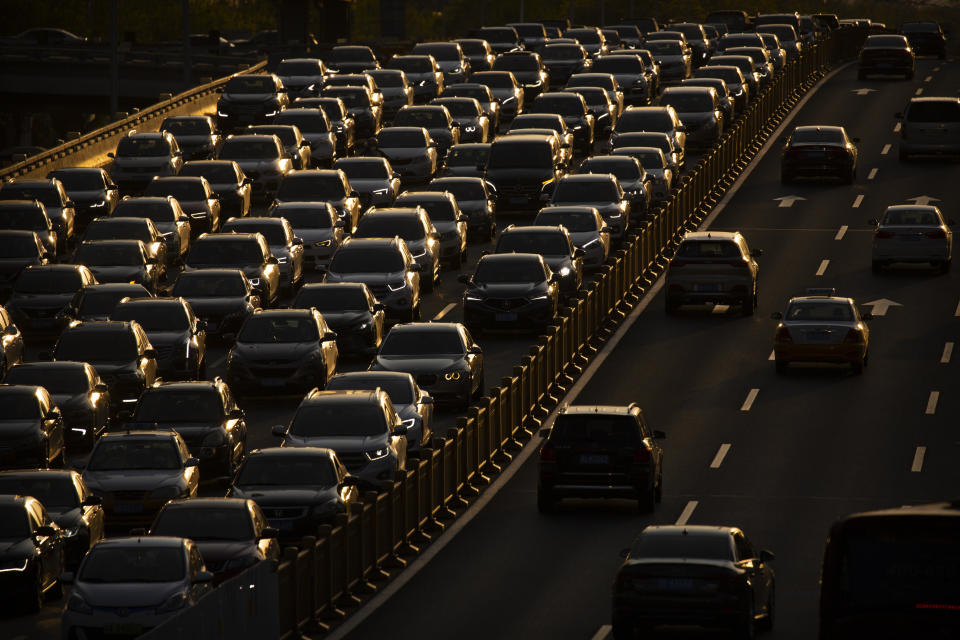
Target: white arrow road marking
[(947, 353), (721, 454), (881, 306), (922, 201), (823, 267), (863, 92), (686, 513), (749, 401), (857, 201), (932, 403), (447, 309), (787, 201), (842, 232), (872, 174), (918, 455), (885, 150), (918, 92)]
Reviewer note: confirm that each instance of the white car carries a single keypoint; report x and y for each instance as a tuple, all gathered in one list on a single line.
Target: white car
[(912, 234)]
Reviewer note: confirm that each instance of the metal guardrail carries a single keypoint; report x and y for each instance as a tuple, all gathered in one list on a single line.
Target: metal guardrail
[(156, 56), (96, 144)]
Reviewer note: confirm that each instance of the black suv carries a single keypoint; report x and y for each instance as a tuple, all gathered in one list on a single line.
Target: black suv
[(44, 299), (521, 166), (510, 291), (250, 99), (595, 451), (350, 310), (556, 247), (248, 252), (222, 298)]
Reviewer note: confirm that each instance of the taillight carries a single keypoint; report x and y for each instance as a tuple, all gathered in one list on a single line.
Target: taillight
[(853, 336), (641, 454), (783, 335), (883, 235), (938, 234), (548, 453)]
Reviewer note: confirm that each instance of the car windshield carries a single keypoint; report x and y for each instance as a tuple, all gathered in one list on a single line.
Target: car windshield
[(439, 210), (288, 137), (331, 299), (338, 418), (467, 156), (20, 406), (187, 126), (895, 42), (688, 102), (463, 191), (97, 346), (387, 226), (582, 191), (80, 180), (584, 36), (304, 218), (120, 230), (299, 68), (306, 122), (157, 210), (427, 118), (351, 54), (179, 405), (136, 563), (98, 254), (911, 217), (819, 311), (230, 253), (399, 389), (934, 111), (27, 218), (664, 47), (461, 91), (57, 380), (497, 81), (154, 317), (204, 286), (422, 343), (250, 84), (412, 65), (505, 272), (311, 188), (730, 76), (219, 173), (135, 454), (274, 234), (549, 243), (439, 51), (367, 260), (692, 546), (817, 136), (520, 155), (143, 147), (266, 149), (287, 471), (14, 524), (563, 106), (31, 281), (387, 78), (618, 64), (55, 493), (49, 196), (18, 246), (650, 159), (653, 120), (353, 97), (531, 121), (388, 139), (103, 302), (622, 170), (462, 108), (207, 523), (368, 169), (277, 330), (574, 221), (562, 52)]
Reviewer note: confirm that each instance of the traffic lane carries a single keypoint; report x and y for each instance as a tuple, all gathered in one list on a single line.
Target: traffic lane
[(43, 625)]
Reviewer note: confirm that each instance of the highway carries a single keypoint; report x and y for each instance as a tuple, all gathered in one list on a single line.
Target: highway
[(780, 456)]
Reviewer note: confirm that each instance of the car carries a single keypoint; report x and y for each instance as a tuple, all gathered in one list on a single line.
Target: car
[(478, 53), (700, 114), (930, 125), (228, 182), (708, 576), (221, 298), (168, 218), (11, 343), (317, 225), (926, 38), (248, 252), (723, 95), (97, 301), (140, 157), (442, 356), (298, 489), (436, 119), (466, 160), (330, 185), (778, 55), (738, 38), (316, 129), (528, 69), (501, 39), (483, 95), (564, 60), (373, 178), (43, 299), (250, 99), (591, 38), (386, 266), (397, 91), (588, 232), (231, 533), (133, 229), (524, 169), (302, 76), (887, 54), (448, 221), (631, 175), (555, 246), (747, 67), (761, 61), (351, 59), (510, 291), (342, 124), (366, 113), (506, 89), (31, 216), (174, 332), (604, 111), (470, 121), (631, 73), (134, 584), (576, 116), (450, 58), (824, 151), (413, 226), (676, 60), (715, 267), (283, 244), (411, 151), (733, 77), (123, 261), (350, 310), (660, 119), (602, 191), (294, 145), (788, 36), (599, 451), (629, 34), (53, 196), (77, 391), (33, 554), (262, 158), (19, 249), (92, 191), (822, 327), (476, 199), (197, 136), (912, 234), (532, 34), (31, 428)]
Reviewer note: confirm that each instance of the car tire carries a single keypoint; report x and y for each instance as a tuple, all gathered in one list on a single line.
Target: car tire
[(546, 503), (647, 501), (781, 366)]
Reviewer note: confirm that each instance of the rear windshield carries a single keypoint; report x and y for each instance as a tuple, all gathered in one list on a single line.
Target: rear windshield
[(18, 246), (895, 42), (502, 271), (601, 430), (618, 64), (520, 156), (332, 299), (97, 346), (412, 65), (211, 524), (311, 188), (359, 169), (462, 191), (274, 234), (157, 210), (545, 243), (819, 311), (708, 249), (55, 493), (28, 218), (934, 111), (911, 217), (920, 27), (109, 255), (582, 191), (154, 317), (298, 68), (302, 218), (48, 195), (565, 106), (20, 406), (288, 471), (366, 260), (656, 120), (120, 230), (421, 118), (185, 190), (140, 563), (214, 173), (813, 136), (516, 63), (388, 226), (622, 170), (420, 343), (701, 547)]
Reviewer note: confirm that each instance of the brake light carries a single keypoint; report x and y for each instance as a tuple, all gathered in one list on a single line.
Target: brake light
[(641, 454), (783, 335), (548, 453), (883, 235), (938, 234), (853, 337)]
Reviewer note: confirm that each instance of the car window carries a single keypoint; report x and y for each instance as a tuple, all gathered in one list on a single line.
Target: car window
[(611, 431), (910, 218), (934, 111), (693, 546), (708, 249), (744, 548), (822, 311)]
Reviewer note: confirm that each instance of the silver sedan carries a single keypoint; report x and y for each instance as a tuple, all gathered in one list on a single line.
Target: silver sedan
[(912, 234)]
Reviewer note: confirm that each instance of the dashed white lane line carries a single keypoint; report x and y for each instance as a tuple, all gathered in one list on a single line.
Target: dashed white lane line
[(447, 309), (749, 401), (918, 455), (857, 201), (896, 127), (928, 79), (885, 150), (773, 356), (822, 269), (720, 308), (842, 232), (721, 454), (872, 174), (947, 353), (932, 403), (936, 69), (603, 633), (686, 513), (918, 92), (956, 314)]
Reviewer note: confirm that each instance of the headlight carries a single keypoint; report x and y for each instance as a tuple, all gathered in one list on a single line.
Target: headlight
[(78, 604), (270, 114), (255, 282), (14, 565), (564, 272), (214, 439), (381, 192), (166, 493), (470, 128), (539, 298), (222, 114), (396, 286), (451, 376), (173, 603), (408, 423), (590, 243), (282, 260), (97, 205), (322, 243), (377, 454), (473, 298)]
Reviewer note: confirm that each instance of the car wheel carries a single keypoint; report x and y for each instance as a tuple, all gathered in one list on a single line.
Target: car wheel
[(546, 503), (781, 366), (647, 500)]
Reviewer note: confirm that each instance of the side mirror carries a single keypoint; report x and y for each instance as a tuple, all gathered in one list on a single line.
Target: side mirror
[(52, 415), (278, 430), (767, 556), (465, 278), (69, 204), (475, 350), (191, 462), (247, 181), (150, 354), (659, 435), (202, 576), (269, 533), (152, 261), (92, 501), (776, 315), (111, 154), (579, 253), (329, 336), (605, 229), (183, 218)]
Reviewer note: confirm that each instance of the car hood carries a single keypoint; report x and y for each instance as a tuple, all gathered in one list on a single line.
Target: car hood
[(40, 300), (85, 196), (67, 401), (160, 339), (247, 98), (131, 595), (139, 162), (345, 318), (416, 365), (300, 81), (130, 479), (10, 429), (257, 164), (274, 495), (403, 152), (261, 352), (340, 444), (695, 116), (116, 272), (369, 184), (203, 306), (416, 78)]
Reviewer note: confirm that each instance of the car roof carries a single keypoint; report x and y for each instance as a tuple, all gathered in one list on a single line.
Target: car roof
[(531, 229), (139, 434), (711, 235), (438, 327), (580, 409), (119, 287), (153, 541), (350, 396), (588, 177), (209, 272), (207, 503), (100, 325), (41, 473), (683, 530), (824, 299)]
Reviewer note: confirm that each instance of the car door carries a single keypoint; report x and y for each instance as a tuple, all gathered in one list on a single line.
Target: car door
[(748, 560), (48, 547)]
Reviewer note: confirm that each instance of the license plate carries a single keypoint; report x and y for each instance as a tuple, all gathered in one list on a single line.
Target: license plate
[(675, 584), (124, 629), (283, 525), (818, 336), (706, 288), (594, 458), (506, 317), (128, 508)]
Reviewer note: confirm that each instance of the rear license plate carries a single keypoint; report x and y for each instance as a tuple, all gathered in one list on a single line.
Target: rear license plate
[(675, 584), (506, 317), (707, 288), (818, 336), (123, 629), (594, 458), (128, 508)]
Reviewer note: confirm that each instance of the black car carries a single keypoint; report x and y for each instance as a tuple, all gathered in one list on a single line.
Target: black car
[(141, 229), (602, 191), (926, 38), (174, 331), (316, 129), (373, 178), (287, 248), (167, 216), (575, 113), (43, 300), (33, 554), (294, 144), (436, 119), (423, 72), (230, 185), (824, 151), (396, 90), (248, 252), (360, 106), (466, 160), (563, 60), (282, 350), (140, 157), (11, 343), (411, 151), (351, 59), (250, 99), (693, 575), (197, 136), (502, 39), (68, 502), (342, 124), (92, 191), (477, 52), (97, 301), (31, 428), (468, 117), (206, 416), (330, 185), (120, 261), (554, 245), (413, 226), (24, 215), (120, 352), (231, 533), (52, 194), (594, 451), (886, 54), (603, 110), (386, 266), (523, 169), (19, 249), (449, 56), (633, 179), (78, 392), (482, 94), (195, 196), (262, 158), (476, 199), (298, 489), (350, 310), (317, 225), (510, 291), (221, 298)]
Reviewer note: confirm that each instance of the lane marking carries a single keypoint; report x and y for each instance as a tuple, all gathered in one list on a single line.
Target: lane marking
[(956, 314), (447, 309), (721, 454), (842, 232), (932, 403), (918, 455), (686, 513), (773, 356), (857, 201), (918, 92), (823, 267), (947, 352), (928, 79), (885, 150), (602, 633), (749, 401), (896, 127), (872, 174), (720, 308), (935, 69)]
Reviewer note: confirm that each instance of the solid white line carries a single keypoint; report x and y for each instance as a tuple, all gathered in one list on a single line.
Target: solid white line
[(947, 352), (773, 356), (872, 174), (885, 150), (842, 232), (932, 403), (896, 127), (686, 513), (602, 633), (928, 79), (721, 454), (857, 201), (720, 308), (749, 401), (918, 455), (918, 92), (447, 309), (823, 267)]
